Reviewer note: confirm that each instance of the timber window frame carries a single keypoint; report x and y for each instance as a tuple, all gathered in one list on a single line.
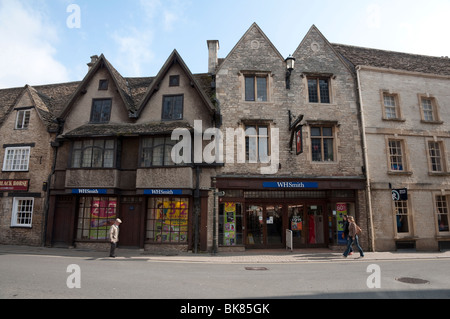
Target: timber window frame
[(436, 154), (23, 119), (442, 213), (17, 159), (391, 109), (94, 154), (429, 109), (323, 143), (397, 156), (22, 213)]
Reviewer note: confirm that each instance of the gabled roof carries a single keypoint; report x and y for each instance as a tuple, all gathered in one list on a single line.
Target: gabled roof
[(327, 43), (253, 26), (359, 56), (47, 99), (8, 99), (121, 83), (197, 85)]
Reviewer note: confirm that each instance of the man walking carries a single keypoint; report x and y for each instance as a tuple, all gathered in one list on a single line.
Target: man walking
[(114, 237)]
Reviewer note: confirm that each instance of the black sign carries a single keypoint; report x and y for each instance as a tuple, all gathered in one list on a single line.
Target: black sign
[(399, 194)]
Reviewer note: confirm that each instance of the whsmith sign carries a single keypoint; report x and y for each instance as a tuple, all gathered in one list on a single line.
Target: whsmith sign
[(290, 185), (90, 191)]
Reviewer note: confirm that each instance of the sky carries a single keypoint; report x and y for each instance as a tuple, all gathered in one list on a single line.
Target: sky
[(51, 41)]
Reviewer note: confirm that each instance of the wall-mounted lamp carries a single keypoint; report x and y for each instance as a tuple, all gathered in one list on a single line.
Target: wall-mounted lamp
[(290, 64)]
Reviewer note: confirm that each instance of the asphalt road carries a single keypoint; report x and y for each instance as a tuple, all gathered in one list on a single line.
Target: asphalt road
[(61, 277)]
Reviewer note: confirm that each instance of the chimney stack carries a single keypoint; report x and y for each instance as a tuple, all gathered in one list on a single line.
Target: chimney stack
[(94, 60), (213, 49)]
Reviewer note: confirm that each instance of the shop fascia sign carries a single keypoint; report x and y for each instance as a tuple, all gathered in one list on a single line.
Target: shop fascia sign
[(14, 185), (290, 185), (89, 191), (163, 192)]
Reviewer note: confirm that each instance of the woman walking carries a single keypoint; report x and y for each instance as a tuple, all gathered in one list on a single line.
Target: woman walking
[(353, 231)]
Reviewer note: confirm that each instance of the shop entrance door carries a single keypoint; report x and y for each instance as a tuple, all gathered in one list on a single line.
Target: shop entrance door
[(307, 222), (130, 229), (264, 226)]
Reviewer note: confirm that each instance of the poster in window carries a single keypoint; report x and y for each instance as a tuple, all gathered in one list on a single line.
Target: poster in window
[(103, 212), (341, 210), (172, 221), (230, 224)]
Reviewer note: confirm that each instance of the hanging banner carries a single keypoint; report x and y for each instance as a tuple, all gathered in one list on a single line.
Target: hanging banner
[(399, 194)]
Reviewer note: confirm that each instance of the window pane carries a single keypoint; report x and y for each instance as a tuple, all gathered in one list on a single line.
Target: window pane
[(316, 149), (262, 89), (167, 108), (87, 157), (390, 108), (263, 144), (168, 151), (395, 150), (316, 131), (328, 151), (106, 111), (178, 108), (324, 91), (401, 210), (146, 160), (312, 90), (172, 107), (251, 141), (108, 159), (76, 159), (435, 156), (158, 151), (327, 131), (249, 88), (442, 212), (427, 109)]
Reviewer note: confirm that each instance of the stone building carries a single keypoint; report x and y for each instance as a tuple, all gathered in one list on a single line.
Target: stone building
[(406, 116), (293, 158), (115, 160), (28, 129)]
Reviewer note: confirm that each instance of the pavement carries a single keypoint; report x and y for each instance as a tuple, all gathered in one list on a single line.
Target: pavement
[(279, 256)]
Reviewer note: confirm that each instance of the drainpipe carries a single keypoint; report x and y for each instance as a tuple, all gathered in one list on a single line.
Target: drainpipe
[(366, 163)]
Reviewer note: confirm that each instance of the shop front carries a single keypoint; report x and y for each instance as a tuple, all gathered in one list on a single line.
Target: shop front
[(259, 214), (150, 218)]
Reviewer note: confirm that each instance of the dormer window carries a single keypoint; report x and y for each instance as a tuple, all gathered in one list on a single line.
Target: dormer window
[(23, 119), (101, 110)]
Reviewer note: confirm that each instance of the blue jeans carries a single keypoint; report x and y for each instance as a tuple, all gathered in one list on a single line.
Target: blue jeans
[(350, 243)]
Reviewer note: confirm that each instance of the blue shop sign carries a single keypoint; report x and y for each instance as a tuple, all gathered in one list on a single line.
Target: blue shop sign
[(290, 185), (163, 192), (90, 191)]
